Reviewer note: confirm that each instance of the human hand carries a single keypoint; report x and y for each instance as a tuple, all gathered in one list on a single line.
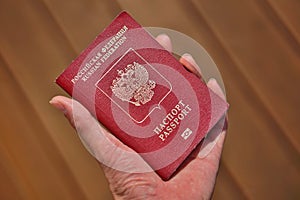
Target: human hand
[(195, 180)]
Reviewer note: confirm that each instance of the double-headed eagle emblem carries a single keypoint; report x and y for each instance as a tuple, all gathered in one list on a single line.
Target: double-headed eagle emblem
[(133, 85)]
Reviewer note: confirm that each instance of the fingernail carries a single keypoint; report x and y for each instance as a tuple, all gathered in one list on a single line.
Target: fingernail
[(190, 59), (213, 80), (163, 35), (187, 55), (217, 87), (213, 84), (58, 106)]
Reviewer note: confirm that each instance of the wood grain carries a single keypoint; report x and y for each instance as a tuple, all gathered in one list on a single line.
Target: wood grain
[(256, 45), (288, 14), (30, 150), (35, 56)]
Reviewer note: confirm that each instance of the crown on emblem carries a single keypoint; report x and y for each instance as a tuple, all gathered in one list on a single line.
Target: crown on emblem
[(133, 85)]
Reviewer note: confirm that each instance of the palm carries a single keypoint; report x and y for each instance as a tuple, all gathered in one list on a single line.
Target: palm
[(195, 179)]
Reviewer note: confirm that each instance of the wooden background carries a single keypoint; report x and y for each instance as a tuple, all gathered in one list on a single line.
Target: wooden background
[(255, 43)]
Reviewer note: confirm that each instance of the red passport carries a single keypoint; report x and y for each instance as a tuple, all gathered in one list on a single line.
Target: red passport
[(143, 95)]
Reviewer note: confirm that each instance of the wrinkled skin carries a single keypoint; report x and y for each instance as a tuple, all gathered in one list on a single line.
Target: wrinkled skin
[(195, 180)]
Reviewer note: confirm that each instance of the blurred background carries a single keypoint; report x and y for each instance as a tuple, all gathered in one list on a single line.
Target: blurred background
[(255, 43)]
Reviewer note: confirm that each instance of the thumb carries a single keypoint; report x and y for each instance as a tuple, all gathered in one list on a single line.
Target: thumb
[(105, 147)]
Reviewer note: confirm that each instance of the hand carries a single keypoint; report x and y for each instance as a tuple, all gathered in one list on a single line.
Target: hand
[(195, 180)]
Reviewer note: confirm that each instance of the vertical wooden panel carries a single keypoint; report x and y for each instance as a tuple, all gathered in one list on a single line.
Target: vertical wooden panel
[(288, 12), (224, 187), (35, 50), (240, 28), (81, 21), (282, 19), (39, 169), (265, 53), (12, 184)]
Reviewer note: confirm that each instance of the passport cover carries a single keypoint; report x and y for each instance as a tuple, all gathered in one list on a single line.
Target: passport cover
[(143, 95)]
